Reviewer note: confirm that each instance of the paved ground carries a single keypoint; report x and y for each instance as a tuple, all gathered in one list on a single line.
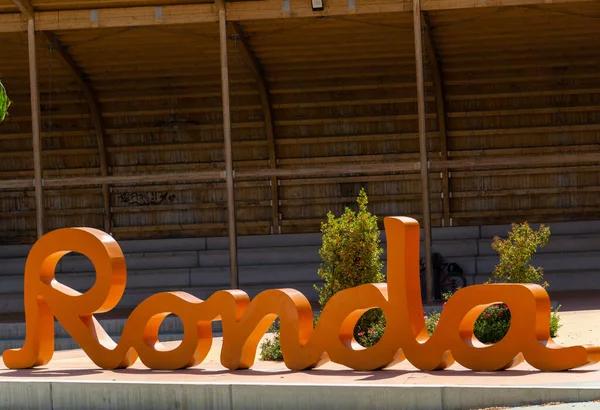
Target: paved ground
[(564, 406), (580, 326)]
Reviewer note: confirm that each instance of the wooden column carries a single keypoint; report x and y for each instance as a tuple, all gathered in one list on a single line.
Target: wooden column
[(438, 85), (234, 279), (35, 128), (424, 161)]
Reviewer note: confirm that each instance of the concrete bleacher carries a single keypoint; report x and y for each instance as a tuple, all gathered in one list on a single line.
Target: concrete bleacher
[(200, 266)]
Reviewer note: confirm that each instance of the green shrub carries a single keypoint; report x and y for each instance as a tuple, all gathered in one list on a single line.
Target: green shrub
[(351, 256), (4, 102), (350, 251), (555, 323), (270, 349), (492, 325), (373, 334), (431, 322), (432, 319), (515, 255)]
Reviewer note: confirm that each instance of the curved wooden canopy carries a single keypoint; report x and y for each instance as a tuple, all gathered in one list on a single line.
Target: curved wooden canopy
[(521, 94)]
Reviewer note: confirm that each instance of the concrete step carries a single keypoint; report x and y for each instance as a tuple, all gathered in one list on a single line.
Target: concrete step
[(200, 265), (262, 256), (550, 262), (556, 244), (564, 281), (184, 277), (556, 228), (181, 260), (67, 343), (114, 327), (13, 302)]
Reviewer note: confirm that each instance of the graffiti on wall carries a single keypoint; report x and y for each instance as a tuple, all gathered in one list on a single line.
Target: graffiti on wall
[(146, 198)]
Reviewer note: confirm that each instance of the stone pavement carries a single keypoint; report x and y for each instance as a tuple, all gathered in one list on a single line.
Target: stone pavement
[(591, 405)]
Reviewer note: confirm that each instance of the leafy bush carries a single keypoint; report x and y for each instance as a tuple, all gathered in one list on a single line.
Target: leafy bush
[(350, 251), (516, 252), (270, 349), (555, 323), (492, 325), (4, 102), (431, 322), (351, 256), (373, 334)]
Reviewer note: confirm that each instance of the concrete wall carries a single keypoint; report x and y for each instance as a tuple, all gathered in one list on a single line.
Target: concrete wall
[(200, 265)]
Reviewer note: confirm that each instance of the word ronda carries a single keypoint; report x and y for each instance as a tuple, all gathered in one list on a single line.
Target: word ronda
[(244, 321)]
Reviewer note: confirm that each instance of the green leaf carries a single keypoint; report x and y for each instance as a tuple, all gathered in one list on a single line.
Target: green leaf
[(516, 253), (5, 102)]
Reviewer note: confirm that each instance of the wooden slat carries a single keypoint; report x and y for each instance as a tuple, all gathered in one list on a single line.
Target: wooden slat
[(474, 163), (183, 227), (265, 99), (237, 11), (526, 191), (438, 82), (525, 213), (95, 113), (36, 124)]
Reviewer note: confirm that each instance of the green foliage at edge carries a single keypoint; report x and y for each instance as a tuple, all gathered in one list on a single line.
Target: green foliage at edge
[(5, 102)]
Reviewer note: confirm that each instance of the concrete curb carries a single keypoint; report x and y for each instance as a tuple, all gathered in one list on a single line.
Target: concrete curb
[(62, 394)]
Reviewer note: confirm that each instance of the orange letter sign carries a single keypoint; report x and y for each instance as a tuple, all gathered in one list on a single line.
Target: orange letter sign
[(245, 321)]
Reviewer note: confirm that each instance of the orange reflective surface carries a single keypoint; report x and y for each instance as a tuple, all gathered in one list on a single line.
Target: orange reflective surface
[(245, 321)]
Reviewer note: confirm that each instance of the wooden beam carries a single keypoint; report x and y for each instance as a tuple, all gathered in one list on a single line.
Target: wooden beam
[(438, 86), (265, 100), (96, 115), (231, 222), (236, 11), (36, 126), (555, 160), (25, 8), (423, 149)]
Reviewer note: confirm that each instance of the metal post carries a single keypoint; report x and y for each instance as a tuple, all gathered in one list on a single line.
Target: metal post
[(234, 279), (35, 129), (423, 148)]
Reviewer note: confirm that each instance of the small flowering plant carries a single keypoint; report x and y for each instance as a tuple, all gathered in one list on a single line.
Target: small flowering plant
[(492, 325)]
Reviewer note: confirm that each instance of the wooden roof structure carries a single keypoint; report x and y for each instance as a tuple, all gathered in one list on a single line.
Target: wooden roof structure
[(132, 122)]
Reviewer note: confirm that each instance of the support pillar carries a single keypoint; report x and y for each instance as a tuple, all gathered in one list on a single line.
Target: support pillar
[(424, 161), (233, 263), (35, 128)]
